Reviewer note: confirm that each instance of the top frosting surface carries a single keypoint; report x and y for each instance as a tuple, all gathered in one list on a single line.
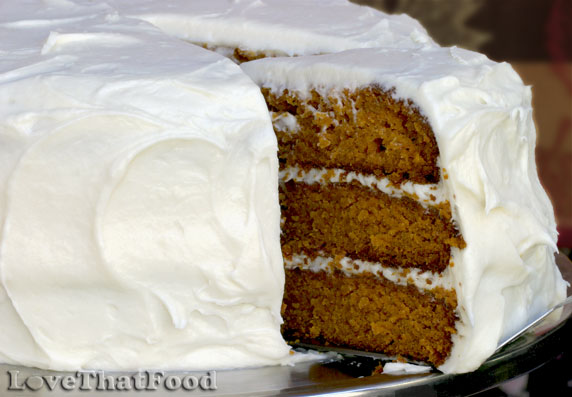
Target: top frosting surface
[(295, 27), (481, 115), (138, 198)]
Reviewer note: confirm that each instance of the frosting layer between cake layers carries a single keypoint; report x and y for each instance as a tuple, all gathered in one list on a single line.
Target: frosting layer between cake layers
[(138, 198), (481, 116)]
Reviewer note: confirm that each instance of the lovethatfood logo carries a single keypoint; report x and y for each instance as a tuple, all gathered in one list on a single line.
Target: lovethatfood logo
[(99, 380)]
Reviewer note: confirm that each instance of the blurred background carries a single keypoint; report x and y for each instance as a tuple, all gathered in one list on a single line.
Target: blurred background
[(535, 36)]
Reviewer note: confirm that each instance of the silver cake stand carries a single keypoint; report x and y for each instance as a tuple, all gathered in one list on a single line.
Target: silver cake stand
[(350, 374)]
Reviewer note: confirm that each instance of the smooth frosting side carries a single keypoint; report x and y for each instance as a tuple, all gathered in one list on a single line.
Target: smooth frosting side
[(138, 199), (481, 115), (297, 27)]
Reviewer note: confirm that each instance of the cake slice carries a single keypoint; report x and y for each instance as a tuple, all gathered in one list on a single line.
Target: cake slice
[(413, 221)]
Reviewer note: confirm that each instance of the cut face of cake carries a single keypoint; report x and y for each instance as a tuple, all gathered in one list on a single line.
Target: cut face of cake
[(413, 221), (156, 198)]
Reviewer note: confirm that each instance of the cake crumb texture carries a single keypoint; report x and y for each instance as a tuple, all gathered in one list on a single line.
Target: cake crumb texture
[(362, 223), (369, 313), (364, 130)]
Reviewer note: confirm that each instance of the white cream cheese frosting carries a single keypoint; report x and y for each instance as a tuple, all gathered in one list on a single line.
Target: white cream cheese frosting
[(423, 281), (424, 194), (139, 218), (138, 198), (481, 115), (293, 27)]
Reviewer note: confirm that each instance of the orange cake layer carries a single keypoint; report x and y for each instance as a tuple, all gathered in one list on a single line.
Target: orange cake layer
[(240, 55), (363, 223), (369, 313), (365, 130)]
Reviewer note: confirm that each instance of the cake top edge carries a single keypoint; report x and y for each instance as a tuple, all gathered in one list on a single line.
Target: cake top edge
[(402, 69), (293, 27), (86, 56)]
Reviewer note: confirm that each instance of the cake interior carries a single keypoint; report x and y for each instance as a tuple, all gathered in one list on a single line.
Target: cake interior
[(368, 312), (366, 231), (344, 157)]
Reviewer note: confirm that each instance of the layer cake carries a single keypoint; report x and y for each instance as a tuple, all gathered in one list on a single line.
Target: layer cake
[(146, 195)]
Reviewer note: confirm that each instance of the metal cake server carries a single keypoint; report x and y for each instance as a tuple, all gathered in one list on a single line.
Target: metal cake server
[(533, 323)]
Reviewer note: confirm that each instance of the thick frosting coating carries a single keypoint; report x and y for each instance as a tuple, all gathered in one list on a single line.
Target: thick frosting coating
[(294, 27), (481, 115), (138, 198), (138, 169)]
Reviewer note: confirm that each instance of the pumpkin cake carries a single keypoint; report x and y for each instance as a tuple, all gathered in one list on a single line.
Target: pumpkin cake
[(345, 180)]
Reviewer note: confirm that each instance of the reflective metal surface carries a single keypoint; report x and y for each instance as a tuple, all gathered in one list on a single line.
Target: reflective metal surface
[(349, 375)]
